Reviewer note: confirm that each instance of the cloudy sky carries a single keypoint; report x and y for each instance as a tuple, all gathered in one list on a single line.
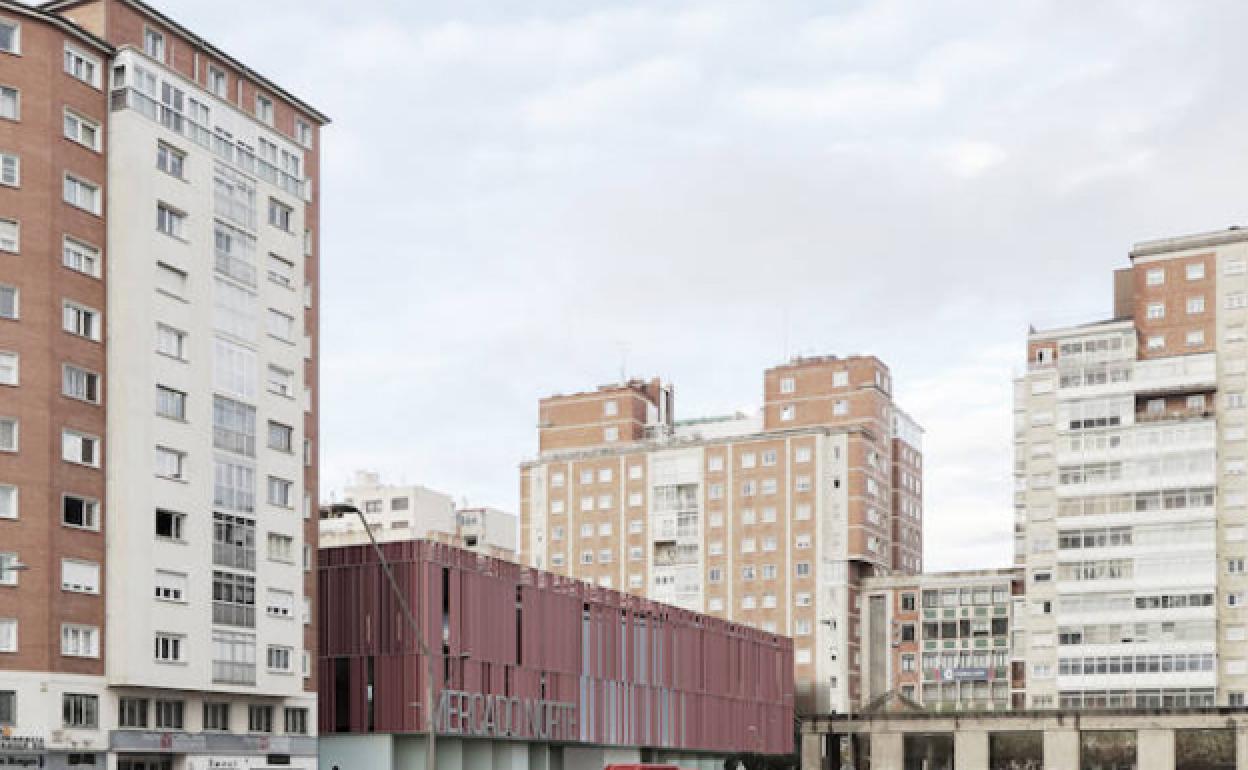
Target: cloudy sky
[(525, 198)]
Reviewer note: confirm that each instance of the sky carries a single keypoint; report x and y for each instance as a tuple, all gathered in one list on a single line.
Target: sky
[(527, 198)]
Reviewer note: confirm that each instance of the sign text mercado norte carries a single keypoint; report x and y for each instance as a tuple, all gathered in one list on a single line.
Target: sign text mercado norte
[(498, 716)]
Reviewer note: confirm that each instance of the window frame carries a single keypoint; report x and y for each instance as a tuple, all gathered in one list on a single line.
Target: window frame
[(17, 169), (16, 50)]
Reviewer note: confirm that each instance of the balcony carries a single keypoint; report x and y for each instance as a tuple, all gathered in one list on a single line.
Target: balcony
[(234, 441), (229, 672), (238, 556), (1177, 374), (235, 268)]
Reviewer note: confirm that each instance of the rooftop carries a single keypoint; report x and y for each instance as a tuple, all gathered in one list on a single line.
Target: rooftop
[(1232, 234)]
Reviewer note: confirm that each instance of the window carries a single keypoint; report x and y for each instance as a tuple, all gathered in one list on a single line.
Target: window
[(280, 492), (169, 648), (10, 42), (8, 501), (168, 714), (81, 257), (233, 426), (81, 194), (280, 326), (281, 437), (1195, 305), (81, 321), (10, 238), (280, 215), (1156, 310), (170, 342), (10, 103), (840, 408), (802, 454), (80, 512), (170, 586), (80, 448), (8, 434), (170, 464), (264, 109), (8, 368), (611, 434), (787, 385), (1155, 276), (1195, 271), (281, 548), (802, 569), (279, 659), (10, 170), (80, 65), (281, 272), (170, 160), (154, 44), (170, 221), (802, 512), (8, 294), (1195, 337), (281, 381), (81, 711), (217, 82), (280, 604), (81, 130), (303, 133), (170, 524), (296, 721), (217, 717), (80, 577), (79, 641), (132, 713), (170, 403), (1157, 342), (788, 413)]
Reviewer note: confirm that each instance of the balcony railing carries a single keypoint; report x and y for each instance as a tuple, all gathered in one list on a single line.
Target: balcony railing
[(227, 614), (236, 268), (243, 159), (234, 441)]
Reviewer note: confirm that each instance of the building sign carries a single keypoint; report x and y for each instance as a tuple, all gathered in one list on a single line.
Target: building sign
[(497, 716), (964, 674)]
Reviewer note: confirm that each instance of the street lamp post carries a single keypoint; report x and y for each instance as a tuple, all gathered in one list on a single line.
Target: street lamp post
[(431, 755)]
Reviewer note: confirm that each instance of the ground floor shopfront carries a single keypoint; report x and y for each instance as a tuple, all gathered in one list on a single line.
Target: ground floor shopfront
[(1200, 739), (142, 750)]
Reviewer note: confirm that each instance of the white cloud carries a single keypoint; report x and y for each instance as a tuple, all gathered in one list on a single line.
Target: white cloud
[(970, 158)]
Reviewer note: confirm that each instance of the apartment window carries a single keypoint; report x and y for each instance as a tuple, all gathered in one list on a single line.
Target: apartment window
[(81, 194), (80, 577), (10, 42), (281, 272), (1195, 338), (1195, 305), (604, 475), (169, 648), (715, 491), (1235, 566), (234, 426), (78, 641), (747, 489), (168, 714), (170, 403), (803, 484), (840, 408), (80, 385), (80, 449), (748, 545), (80, 65), (280, 215), (10, 103), (217, 717), (279, 660), (171, 342), (170, 586), (281, 437), (10, 170), (611, 434), (748, 602), (80, 711), (8, 294), (264, 109), (170, 464), (802, 454), (280, 492), (81, 130), (170, 160), (81, 321), (154, 44), (217, 82), (10, 237), (1195, 271), (8, 643), (634, 500), (170, 221), (280, 604), (769, 544), (1156, 310), (635, 526), (788, 412), (80, 512), (170, 524), (1157, 342), (81, 257), (8, 434), (8, 575), (281, 381), (280, 326), (1155, 276), (787, 385), (802, 569), (303, 133), (747, 572), (9, 365), (281, 548), (802, 512), (8, 501), (296, 721), (132, 713)]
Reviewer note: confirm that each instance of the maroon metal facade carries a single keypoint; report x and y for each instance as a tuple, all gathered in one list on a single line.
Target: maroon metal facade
[(640, 673)]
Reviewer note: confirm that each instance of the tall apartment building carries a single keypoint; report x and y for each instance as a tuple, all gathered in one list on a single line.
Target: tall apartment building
[(159, 212), (1130, 496), (396, 512), (771, 520)]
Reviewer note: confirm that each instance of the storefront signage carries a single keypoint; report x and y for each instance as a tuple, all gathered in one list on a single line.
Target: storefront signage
[(497, 716)]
